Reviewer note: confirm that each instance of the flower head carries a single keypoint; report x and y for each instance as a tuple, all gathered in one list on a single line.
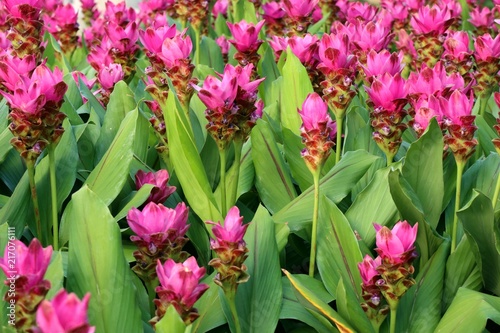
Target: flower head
[(425, 110), (233, 229), (431, 20), (108, 76), (161, 191), (396, 246), (297, 9), (456, 45), (65, 313), (388, 92), (378, 63), (315, 115), (368, 269), (487, 48), (334, 53), (457, 109), (246, 36)]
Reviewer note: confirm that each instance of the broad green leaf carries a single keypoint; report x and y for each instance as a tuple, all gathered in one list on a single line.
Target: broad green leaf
[(335, 185), (272, 177), (209, 308), (293, 147), (258, 301), (5, 145), (111, 173), (121, 101), (267, 68), (479, 222), (419, 309), (292, 309), (92, 101), (211, 54), (135, 200), (296, 87), (423, 170), (72, 101), (485, 132), (481, 176), (373, 205), (55, 275), (185, 158), (469, 312), (171, 322), (338, 251), (359, 132), (312, 302), (349, 307), (96, 264)]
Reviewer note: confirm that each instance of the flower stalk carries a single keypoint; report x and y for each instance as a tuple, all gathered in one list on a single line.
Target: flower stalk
[(238, 146), (222, 182), (460, 170), (53, 196), (36, 209), (231, 299), (314, 236), (338, 145), (497, 191), (394, 312)]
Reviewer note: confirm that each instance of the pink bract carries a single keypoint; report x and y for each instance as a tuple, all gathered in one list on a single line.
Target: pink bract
[(393, 244)]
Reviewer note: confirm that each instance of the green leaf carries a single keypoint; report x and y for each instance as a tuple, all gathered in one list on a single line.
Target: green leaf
[(373, 205), (272, 178), (55, 275), (111, 173), (258, 300), (469, 312), (335, 185), (5, 145), (120, 103), (96, 264), (135, 200), (72, 101), (209, 308), (171, 322), (211, 54), (419, 309), (185, 157), (313, 303), (338, 251), (485, 132), (293, 147), (296, 87), (478, 220), (348, 306), (423, 170)]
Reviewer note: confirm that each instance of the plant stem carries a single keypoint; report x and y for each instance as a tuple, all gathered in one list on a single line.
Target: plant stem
[(312, 259), (338, 147), (31, 175), (151, 286), (394, 313), (390, 158), (231, 298), (460, 170), (53, 195), (222, 182), (238, 145), (197, 45), (497, 191), (483, 103)]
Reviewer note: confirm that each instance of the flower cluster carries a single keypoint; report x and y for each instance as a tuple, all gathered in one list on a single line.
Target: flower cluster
[(62, 24), (161, 191)]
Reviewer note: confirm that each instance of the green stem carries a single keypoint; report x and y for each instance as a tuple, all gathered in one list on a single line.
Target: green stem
[(231, 298), (390, 158), (338, 147), (238, 145), (312, 259), (497, 191), (222, 182), (234, 5), (53, 195), (394, 313), (483, 103), (31, 175), (151, 286), (460, 170), (197, 39)]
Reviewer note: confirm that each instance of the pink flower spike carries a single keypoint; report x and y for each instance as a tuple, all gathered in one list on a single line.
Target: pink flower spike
[(456, 45), (110, 75), (431, 20), (175, 49), (487, 48), (217, 94), (152, 38), (297, 9), (233, 230), (314, 113), (65, 313), (388, 92), (220, 8), (457, 108), (383, 62), (245, 36), (397, 244), (161, 191), (425, 110), (368, 269)]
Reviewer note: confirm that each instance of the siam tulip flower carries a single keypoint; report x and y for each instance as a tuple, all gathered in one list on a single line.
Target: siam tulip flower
[(306, 49), (63, 25), (161, 191), (406, 44), (107, 77), (119, 14), (482, 19), (94, 34), (224, 46), (496, 141), (317, 131), (298, 15), (175, 50), (65, 313), (458, 118), (231, 251), (220, 8), (360, 11), (457, 54), (278, 44), (373, 303), (396, 12), (179, 287), (90, 13), (368, 36), (368, 270), (13, 69), (387, 96), (27, 274), (274, 16), (159, 235), (122, 45), (378, 63), (425, 109), (151, 10), (246, 41), (487, 55)]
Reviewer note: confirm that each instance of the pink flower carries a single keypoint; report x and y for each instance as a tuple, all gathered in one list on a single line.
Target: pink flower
[(360, 11), (383, 62), (51, 84), (246, 36), (161, 191), (118, 13), (110, 75), (431, 20), (273, 12), (457, 109), (31, 263), (87, 4), (180, 283), (481, 17), (456, 45), (175, 49), (297, 9), (388, 92), (334, 53), (152, 38), (278, 44), (305, 48), (396, 244), (65, 313), (77, 76), (370, 35), (12, 69), (315, 115), (122, 39), (425, 110), (223, 44), (434, 81), (156, 224), (405, 43), (487, 48), (62, 16), (368, 270), (220, 8), (233, 229), (218, 94), (396, 9)]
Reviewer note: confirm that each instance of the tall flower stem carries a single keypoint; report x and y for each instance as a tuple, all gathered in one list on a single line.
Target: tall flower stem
[(222, 182), (151, 287), (390, 158), (497, 192), (483, 103), (231, 298), (394, 312), (312, 259), (31, 176), (238, 145), (338, 145), (197, 39), (53, 195), (460, 170)]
